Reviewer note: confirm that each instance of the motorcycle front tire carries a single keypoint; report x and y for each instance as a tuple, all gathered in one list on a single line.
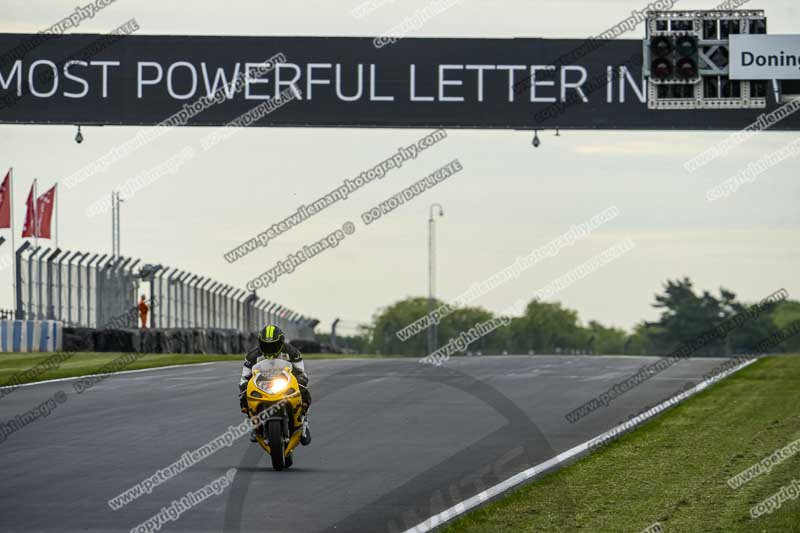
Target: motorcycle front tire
[(275, 439)]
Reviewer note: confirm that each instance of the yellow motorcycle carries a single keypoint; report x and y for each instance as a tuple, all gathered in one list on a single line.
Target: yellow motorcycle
[(273, 396)]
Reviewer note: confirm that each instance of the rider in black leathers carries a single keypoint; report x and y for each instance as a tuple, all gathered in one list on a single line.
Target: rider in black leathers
[(272, 344)]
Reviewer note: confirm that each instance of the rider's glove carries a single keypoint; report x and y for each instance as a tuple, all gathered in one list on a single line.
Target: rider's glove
[(243, 402)]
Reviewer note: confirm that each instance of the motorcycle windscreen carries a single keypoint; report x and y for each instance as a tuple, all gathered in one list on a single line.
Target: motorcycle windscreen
[(272, 367)]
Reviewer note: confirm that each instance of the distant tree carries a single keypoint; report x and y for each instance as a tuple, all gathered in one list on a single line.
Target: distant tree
[(751, 332), (461, 320), (361, 342), (604, 340), (640, 341), (786, 317), (545, 327), (548, 327), (686, 316), (786, 313), (388, 321)]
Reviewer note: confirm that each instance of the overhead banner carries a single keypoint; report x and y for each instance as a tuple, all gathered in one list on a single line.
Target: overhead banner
[(338, 81), (765, 57)]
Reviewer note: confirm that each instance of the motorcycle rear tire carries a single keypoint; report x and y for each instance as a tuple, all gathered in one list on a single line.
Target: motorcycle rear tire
[(275, 439)]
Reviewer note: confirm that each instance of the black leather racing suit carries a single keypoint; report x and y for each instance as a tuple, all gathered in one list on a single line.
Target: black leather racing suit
[(288, 353)]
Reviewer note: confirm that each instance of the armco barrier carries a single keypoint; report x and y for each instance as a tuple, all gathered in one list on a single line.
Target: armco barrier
[(31, 336)]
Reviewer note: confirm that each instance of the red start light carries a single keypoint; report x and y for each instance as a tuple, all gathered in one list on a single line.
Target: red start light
[(687, 68), (661, 69)]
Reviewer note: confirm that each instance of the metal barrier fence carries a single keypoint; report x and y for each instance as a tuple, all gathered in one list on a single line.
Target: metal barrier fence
[(82, 289)]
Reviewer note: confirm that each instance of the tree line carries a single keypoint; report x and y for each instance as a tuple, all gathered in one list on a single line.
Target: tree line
[(549, 327)]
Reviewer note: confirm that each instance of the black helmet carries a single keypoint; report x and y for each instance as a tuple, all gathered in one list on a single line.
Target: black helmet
[(270, 340)]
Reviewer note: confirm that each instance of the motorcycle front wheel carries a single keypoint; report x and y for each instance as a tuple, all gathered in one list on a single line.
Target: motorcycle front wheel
[(275, 440)]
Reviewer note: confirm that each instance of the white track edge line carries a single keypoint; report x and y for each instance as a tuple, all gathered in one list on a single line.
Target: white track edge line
[(465, 505), (32, 383)]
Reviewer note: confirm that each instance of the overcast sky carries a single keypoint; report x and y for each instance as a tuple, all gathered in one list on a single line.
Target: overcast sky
[(509, 199)]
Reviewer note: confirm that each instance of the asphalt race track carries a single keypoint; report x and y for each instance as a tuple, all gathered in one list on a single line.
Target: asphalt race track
[(394, 441)]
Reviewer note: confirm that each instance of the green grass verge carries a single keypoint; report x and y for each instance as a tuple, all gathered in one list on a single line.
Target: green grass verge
[(674, 469), (82, 363)]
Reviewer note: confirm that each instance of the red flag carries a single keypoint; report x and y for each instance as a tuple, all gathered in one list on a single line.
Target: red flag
[(27, 228), (44, 213), (5, 202)]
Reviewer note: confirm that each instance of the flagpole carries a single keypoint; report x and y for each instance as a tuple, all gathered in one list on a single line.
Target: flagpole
[(35, 214), (56, 202), (13, 241)]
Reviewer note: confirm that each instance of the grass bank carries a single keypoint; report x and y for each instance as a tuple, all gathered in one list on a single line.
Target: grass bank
[(674, 470)]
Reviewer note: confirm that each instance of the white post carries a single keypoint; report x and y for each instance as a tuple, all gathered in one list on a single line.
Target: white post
[(433, 330), (119, 224), (113, 226)]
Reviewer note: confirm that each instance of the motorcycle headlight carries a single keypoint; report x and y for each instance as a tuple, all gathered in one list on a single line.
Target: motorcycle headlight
[(276, 385)]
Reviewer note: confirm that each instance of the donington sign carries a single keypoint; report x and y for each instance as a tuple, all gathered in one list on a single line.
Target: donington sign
[(319, 81), (765, 57)]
